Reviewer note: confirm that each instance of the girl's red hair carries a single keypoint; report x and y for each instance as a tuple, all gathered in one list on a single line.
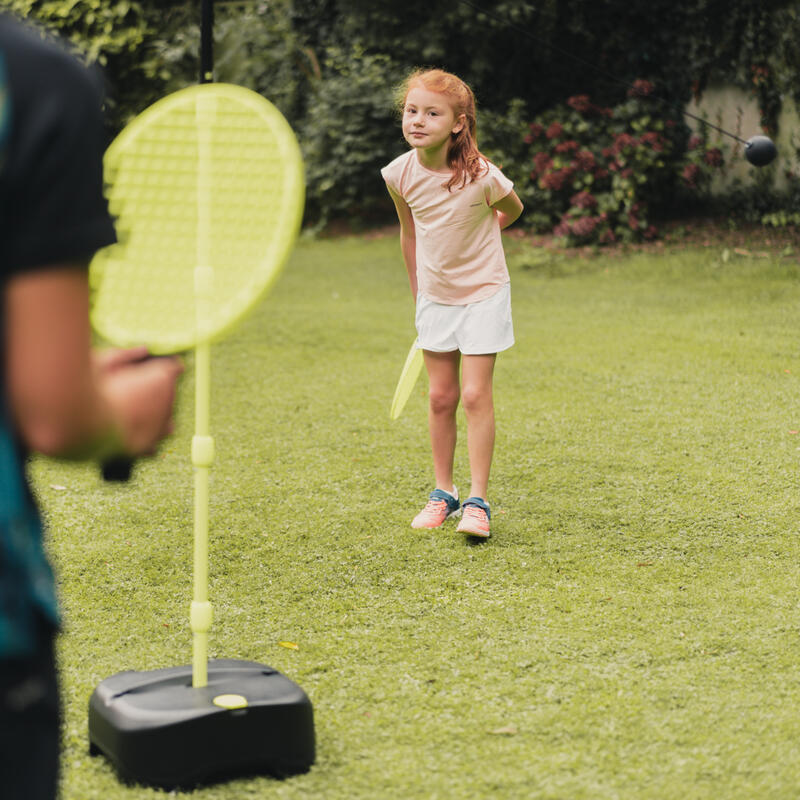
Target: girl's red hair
[(463, 156)]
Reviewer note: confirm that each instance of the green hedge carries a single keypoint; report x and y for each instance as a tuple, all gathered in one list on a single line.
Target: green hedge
[(330, 66), (600, 175)]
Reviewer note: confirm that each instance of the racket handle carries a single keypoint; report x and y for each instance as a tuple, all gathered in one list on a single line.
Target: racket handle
[(117, 469)]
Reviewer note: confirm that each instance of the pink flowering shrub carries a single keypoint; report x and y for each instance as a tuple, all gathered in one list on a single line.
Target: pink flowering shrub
[(597, 174)]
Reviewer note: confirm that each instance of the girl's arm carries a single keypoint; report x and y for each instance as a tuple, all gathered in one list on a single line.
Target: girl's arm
[(408, 239), (508, 209)]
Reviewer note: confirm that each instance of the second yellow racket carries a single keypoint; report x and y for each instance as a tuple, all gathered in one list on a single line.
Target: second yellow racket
[(407, 381)]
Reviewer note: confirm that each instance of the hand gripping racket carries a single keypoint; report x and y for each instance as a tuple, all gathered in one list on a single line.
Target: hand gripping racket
[(207, 189), (407, 381)]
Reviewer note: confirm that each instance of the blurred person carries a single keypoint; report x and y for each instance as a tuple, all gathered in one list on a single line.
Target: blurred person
[(57, 396)]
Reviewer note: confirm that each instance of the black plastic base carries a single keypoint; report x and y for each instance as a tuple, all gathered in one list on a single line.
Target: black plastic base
[(156, 729)]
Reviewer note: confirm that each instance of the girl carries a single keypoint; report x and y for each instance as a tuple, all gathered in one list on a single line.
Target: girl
[(452, 204)]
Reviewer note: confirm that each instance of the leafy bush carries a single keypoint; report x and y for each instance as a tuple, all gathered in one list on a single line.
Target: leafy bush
[(349, 132), (776, 208), (148, 49), (100, 30), (254, 46), (329, 66), (499, 138), (112, 34), (598, 174), (757, 201)]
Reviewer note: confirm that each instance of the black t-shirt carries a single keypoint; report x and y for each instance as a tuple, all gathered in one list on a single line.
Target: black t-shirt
[(52, 213), (52, 209)]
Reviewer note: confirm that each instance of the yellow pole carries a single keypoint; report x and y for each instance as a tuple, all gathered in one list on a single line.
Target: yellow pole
[(202, 443), (202, 459)]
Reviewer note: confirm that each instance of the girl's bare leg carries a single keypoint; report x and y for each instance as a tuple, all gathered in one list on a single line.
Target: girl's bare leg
[(443, 369), (476, 396)]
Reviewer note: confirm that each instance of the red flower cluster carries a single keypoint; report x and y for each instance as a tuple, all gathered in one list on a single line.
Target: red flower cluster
[(581, 103), (615, 164), (585, 160), (566, 147), (654, 139), (583, 226), (541, 163), (760, 74), (607, 237), (578, 228), (623, 141), (633, 216), (557, 179), (691, 172), (536, 131), (640, 88), (584, 200)]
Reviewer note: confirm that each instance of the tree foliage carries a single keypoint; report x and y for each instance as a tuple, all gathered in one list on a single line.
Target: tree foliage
[(329, 65), (100, 30), (597, 175), (112, 34)]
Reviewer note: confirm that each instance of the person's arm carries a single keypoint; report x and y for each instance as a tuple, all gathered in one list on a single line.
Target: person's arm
[(508, 209), (408, 238), (65, 401)]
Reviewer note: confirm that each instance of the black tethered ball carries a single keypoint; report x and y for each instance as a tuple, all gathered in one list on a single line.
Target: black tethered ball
[(760, 151)]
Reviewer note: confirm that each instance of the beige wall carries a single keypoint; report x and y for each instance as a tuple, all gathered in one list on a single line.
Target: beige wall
[(737, 111)]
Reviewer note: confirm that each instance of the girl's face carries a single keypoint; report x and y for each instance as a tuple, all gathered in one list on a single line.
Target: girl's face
[(429, 119)]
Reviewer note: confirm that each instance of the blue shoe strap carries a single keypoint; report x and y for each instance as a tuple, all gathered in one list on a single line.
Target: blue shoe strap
[(439, 494), (480, 502)]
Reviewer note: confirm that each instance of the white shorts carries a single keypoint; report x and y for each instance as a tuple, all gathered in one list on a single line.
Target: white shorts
[(475, 329)]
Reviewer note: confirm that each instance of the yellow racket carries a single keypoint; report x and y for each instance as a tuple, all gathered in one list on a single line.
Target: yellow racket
[(408, 379), (207, 189)]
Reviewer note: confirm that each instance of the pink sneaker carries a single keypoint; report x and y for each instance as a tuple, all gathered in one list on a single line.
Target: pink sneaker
[(439, 507), (476, 518)]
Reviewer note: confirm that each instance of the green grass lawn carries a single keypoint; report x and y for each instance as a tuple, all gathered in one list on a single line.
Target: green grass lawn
[(631, 629)]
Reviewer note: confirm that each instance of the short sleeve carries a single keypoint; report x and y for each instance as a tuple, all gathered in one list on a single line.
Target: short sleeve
[(54, 208), (386, 173), (393, 173), (497, 185)]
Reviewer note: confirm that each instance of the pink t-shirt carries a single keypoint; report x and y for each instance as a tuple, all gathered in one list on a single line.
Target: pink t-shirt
[(460, 255)]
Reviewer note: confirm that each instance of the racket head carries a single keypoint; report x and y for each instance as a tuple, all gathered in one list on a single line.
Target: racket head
[(216, 164), (408, 379)]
